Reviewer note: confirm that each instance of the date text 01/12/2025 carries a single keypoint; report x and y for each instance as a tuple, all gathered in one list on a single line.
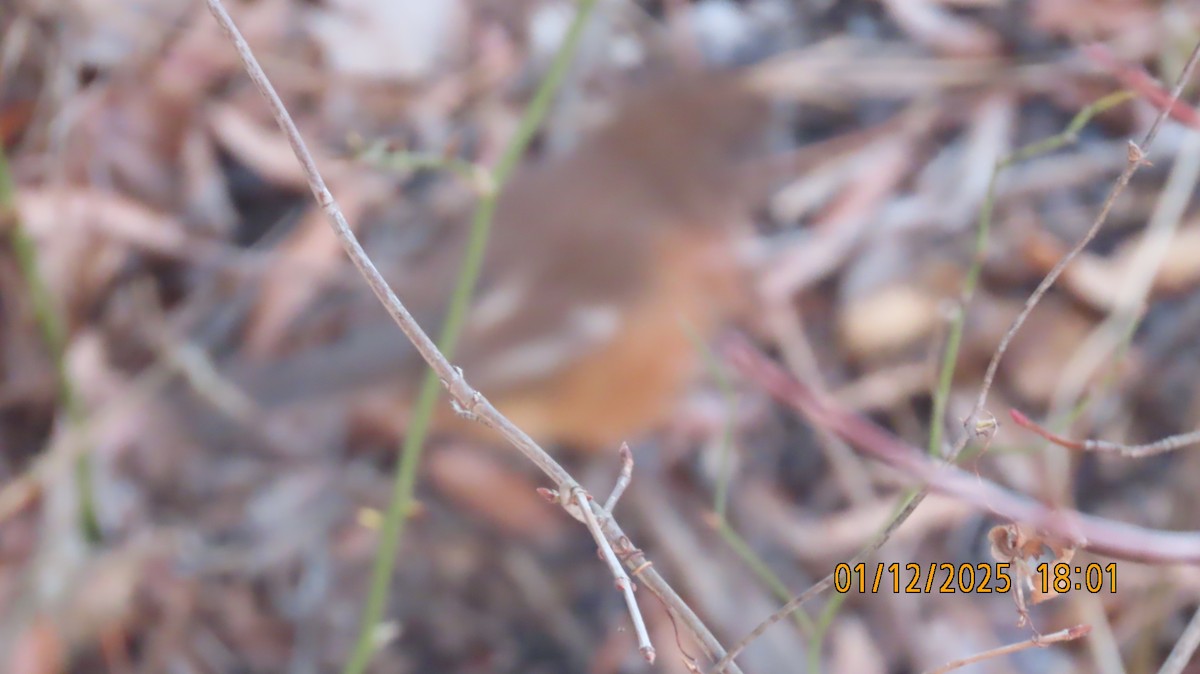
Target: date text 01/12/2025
[(982, 578)]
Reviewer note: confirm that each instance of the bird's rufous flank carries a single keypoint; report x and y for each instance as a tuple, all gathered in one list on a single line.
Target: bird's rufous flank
[(601, 262)]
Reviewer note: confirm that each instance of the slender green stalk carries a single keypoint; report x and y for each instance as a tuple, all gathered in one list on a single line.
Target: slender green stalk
[(909, 503), (768, 577), (1068, 136), (941, 394), (50, 324), (824, 622), (725, 476), (717, 372), (392, 529)]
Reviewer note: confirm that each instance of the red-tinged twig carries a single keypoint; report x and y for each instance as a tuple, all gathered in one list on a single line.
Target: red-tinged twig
[(1167, 444), (1042, 641), (452, 378), (1102, 536), (976, 425), (1137, 79), (623, 478), (1023, 421), (1114, 539)]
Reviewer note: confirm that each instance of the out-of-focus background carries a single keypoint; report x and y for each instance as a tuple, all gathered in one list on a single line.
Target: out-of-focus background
[(173, 230)]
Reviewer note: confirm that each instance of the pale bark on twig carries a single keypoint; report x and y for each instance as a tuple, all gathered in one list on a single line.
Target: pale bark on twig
[(467, 398)]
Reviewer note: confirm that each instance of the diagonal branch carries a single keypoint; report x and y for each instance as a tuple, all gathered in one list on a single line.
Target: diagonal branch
[(462, 393)]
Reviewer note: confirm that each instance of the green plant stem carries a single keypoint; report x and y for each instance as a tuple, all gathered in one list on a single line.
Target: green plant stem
[(768, 577), (392, 529), (49, 323), (725, 477), (824, 622), (1068, 136), (909, 503)]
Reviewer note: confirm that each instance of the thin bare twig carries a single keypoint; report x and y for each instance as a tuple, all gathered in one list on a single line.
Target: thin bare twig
[(623, 478), (469, 271), (1136, 159), (950, 355), (624, 584), (54, 336), (820, 586), (973, 422), (720, 517), (1041, 641), (1167, 444), (1115, 539), (451, 377), (1104, 350)]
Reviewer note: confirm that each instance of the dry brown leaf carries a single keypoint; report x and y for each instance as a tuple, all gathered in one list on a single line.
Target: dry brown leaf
[(846, 220), (52, 214), (14, 117), (84, 238), (1180, 268), (888, 320), (1025, 548)]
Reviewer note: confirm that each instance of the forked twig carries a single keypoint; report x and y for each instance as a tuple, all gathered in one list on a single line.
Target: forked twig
[(1100, 535)]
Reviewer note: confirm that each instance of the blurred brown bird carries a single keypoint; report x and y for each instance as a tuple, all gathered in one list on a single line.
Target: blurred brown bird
[(600, 263)]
